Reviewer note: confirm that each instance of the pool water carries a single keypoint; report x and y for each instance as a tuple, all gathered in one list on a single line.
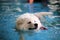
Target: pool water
[(9, 11)]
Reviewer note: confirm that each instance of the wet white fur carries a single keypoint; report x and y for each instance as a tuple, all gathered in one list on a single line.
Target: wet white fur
[(22, 20)]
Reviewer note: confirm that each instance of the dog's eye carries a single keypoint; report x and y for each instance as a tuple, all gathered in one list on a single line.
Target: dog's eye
[(29, 22)]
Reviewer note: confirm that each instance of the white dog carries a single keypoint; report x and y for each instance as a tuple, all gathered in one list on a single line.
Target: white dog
[(28, 21)]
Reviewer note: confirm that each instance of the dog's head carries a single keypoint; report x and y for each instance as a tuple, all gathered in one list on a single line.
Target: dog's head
[(29, 22)]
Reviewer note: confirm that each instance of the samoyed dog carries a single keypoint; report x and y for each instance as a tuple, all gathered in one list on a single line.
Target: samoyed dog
[(30, 21)]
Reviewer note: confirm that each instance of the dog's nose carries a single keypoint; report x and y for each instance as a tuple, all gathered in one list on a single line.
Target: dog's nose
[(36, 25)]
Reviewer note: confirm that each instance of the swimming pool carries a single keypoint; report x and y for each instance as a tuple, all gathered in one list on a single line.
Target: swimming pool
[(8, 14)]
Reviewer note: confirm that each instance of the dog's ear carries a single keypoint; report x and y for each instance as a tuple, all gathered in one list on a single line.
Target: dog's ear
[(19, 21), (40, 14)]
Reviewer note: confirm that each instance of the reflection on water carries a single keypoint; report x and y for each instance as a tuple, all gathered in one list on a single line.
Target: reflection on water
[(11, 10)]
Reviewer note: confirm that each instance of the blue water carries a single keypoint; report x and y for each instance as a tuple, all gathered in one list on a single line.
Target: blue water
[(8, 15)]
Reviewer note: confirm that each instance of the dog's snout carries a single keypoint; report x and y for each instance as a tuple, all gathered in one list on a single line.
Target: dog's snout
[(35, 24), (35, 27)]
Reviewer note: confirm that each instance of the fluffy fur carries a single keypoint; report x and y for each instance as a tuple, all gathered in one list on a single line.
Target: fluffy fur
[(29, 21), (23, 20)]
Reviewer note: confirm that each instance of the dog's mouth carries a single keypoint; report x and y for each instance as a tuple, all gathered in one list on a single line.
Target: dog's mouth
[(42, 28), (32, 28)]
